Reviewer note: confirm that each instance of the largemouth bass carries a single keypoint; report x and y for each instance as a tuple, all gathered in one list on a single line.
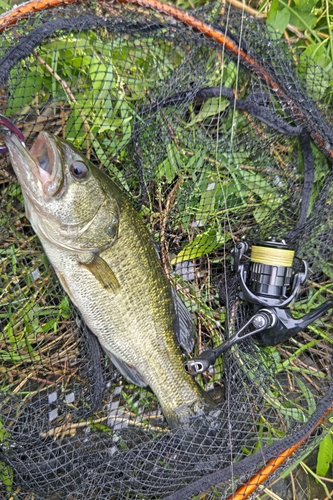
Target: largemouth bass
[(105, 260)]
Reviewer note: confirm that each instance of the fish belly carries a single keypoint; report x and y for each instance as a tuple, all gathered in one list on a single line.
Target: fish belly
[(135, 324)]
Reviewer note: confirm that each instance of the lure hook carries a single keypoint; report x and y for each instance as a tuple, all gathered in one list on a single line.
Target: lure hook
[(5, 122)]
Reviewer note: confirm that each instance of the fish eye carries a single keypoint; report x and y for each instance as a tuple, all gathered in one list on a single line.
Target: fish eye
[(79, 170)]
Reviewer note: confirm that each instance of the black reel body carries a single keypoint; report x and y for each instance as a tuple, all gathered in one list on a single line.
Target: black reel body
[(268, 280)]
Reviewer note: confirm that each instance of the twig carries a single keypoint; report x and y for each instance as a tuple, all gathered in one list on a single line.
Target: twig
[(168, 206), (293, 488), (70, 96), (246, 8), (255, 13)]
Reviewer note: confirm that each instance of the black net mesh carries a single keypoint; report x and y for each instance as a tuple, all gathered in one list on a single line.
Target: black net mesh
[(211, 155)]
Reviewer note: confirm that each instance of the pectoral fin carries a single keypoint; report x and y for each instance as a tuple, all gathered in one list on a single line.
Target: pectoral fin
[(127, 370), (103, 273)]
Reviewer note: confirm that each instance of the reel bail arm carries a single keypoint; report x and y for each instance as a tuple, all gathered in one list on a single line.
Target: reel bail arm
[(287, 326)]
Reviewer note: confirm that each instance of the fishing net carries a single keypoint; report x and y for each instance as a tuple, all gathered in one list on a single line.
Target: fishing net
[(221, 137)]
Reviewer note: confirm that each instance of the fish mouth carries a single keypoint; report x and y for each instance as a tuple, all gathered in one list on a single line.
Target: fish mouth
[(39, 168), (48, 160)]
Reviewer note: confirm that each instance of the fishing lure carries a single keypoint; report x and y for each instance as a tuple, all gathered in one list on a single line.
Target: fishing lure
[(5, 122)]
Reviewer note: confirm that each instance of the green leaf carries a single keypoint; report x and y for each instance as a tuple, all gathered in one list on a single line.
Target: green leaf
[(232, 72), (6, 476), (300, 14), (97, 72), (74, 127), (113, 170), (278, 19), (195, 162), (274, 9), (307, 394), (257, 184), (319, 86), (201, 245), (212, 107), (305, 5), (169, 167), (317, 52), (30, 85), (4, 434), (81, 62), (4, 6), (207, 201), (325, 455)]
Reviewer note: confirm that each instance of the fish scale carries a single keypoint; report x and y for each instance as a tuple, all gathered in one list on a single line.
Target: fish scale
[(105, 260)]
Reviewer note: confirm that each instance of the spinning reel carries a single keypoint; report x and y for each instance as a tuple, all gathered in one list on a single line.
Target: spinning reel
[(268, 283)]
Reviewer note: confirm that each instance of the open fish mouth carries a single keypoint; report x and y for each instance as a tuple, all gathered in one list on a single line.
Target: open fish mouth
[(39, 168), (49, 163), (44, 163)]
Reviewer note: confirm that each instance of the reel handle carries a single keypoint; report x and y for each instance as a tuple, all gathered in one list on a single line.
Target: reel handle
[(262, 320), (272, 326)]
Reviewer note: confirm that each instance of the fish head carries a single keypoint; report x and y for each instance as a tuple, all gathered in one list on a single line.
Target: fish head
[(66, 196)]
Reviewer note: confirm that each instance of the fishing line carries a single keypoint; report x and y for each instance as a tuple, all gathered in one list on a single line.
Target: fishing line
[(224, 225), (229, 306)]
